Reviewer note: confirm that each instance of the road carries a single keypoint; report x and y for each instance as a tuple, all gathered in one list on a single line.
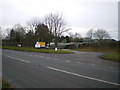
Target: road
[(42, 70)]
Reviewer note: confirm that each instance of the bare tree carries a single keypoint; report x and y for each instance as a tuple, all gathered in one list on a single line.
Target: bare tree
[(77, 35), (101, 34), (90, 34), (56, 24), (20, 29), (0, 33), (33, 23), (19, 32), (1, 37), (48, 22), (71, 35)]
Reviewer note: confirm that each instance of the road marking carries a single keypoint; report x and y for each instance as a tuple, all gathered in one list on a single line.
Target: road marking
[(83, 76), (30, 55), (48, 57), (57, 59), (42, 56), (80, 63), (67, 60), (83, 65), (17, 59), (92, 64), (25, 54), (111, 67)]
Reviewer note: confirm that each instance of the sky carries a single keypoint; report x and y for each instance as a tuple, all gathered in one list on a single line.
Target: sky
[(81, 15)]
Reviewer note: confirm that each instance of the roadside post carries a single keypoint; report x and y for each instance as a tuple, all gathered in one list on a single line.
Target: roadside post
[(56, 49)]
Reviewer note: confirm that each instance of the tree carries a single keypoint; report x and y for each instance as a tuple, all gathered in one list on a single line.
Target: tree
[(33, 23), (90, 34), (101, 34), (0, 37), (42, 33), (17, 33), (12, 35), (29, 36), (0, 34), (20, 32), (71, 36), (77, 37), (29, 39), (56, 24)]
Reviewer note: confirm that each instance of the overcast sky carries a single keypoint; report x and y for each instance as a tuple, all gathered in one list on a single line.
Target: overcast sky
[(81, 15)]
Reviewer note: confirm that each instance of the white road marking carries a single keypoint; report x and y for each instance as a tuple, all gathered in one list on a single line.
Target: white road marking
[(41, 56), (83, 65), (31, 55), (92, 64), (83, 76), (25, 54), (111, 67), (57, 59), (17, 59), (67, 60), (48, 57)]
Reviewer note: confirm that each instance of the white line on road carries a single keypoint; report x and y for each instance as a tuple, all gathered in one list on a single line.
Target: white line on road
[(17, 59), (98, 68), (67, 60), (111, 67), (57, 59), (92, 64), (83, 76), (48, 57), (30, 55), (41, 56), (80, 63), (25, 54)]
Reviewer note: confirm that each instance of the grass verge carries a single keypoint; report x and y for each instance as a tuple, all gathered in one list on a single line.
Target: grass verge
[(111, 52), (111, 56), (6, 84), (0, 82), (37, 50)]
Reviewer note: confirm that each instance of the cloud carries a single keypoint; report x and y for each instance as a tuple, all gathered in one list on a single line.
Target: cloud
[(82, 15)]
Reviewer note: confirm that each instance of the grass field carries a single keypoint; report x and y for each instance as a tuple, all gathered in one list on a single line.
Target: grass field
[(111, 52), (37, 50)]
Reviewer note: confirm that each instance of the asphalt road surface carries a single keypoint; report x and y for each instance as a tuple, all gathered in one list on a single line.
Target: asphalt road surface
[(42, 70)]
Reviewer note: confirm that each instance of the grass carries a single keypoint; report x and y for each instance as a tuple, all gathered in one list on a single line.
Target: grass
[(36, 50), (6, 84), (111, 56), (98, 49), (0, 83), (111, 52)]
